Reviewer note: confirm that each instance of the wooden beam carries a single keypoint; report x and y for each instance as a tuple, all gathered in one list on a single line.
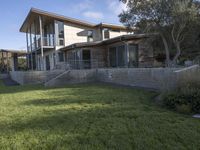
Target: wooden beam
[(31, 49), (41, 42), (7, 62), (27, 55), (35, 41)]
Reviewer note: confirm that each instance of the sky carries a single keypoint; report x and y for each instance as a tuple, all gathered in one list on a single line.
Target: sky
[(14, 12)]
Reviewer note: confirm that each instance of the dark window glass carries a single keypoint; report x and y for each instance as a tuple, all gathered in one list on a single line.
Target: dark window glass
[(133, 55), (60, 29), (61, 57), (90, 36), (121, 56), (106, 34), (112, 57)]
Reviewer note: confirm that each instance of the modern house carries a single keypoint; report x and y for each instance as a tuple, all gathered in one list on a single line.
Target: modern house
[(55, 41)]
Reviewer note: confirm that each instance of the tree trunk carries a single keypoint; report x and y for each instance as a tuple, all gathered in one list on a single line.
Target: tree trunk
[(168, 61), (177, 44)]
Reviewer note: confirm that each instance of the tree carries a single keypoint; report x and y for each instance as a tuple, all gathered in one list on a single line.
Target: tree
[(170, 18)]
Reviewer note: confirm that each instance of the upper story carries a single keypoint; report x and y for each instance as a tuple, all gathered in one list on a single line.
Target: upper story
[(48, 30)]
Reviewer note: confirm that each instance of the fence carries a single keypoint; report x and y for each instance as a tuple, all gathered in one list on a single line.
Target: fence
[(85, 64)]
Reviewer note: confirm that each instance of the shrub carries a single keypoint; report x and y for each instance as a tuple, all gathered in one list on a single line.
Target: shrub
[(184, 99)]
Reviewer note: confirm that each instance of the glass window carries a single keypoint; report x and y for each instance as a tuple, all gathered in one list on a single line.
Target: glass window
[(90, 36), (133, 55), (112, 57), (60, 29), (106, 34), (121, 53), (60, 33), (61, 56)]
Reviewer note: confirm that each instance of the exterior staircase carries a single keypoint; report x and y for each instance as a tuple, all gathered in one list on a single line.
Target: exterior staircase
[(52, 81)]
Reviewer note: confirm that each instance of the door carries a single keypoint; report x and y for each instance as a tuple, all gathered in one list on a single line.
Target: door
[(86, 59), (47, 63)]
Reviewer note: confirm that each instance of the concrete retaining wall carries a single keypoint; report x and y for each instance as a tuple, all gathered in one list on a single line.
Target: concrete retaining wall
[(3, 76), (189, 74), (74, 77), (154, 78), (33, 77)]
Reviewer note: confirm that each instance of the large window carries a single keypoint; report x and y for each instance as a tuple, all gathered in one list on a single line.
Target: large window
[(106, 33), (60, 33), (61, 56), (90, 36), (112, 56), (133, 55), (117, 56), (121, 54)]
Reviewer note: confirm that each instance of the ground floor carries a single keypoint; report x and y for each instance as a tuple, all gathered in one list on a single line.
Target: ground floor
[(12, 60), (91, 116), (121, 52)]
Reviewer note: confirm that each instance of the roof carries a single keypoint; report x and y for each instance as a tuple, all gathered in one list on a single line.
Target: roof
[(109, 41), (35, 12), (19, 52)]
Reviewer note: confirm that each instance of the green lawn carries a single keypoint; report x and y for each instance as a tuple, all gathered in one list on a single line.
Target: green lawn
[(90, 117)]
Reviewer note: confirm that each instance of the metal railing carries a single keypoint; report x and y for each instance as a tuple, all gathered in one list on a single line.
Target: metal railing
[(85, 64), (80, 64), (47, 41)]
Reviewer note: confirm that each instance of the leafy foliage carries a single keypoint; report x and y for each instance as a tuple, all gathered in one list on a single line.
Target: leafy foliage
[(184, 96), (172, 19)]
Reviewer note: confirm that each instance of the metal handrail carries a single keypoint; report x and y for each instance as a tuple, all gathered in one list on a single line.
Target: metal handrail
[(47, 41)]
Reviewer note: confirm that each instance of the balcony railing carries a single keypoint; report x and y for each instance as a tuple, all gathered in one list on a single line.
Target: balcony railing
[(47, 41)]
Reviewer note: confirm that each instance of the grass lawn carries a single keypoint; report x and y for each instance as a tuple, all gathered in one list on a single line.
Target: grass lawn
[(90, 117)]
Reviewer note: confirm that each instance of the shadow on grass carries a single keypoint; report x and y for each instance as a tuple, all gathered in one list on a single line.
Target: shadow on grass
[(108, 126), (98, 117)]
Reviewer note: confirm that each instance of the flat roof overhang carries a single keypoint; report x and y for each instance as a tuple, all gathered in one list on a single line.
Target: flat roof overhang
[(33, 13), (12, 52), (123, 38)]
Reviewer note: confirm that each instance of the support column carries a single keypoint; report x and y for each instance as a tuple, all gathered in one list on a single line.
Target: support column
[(35, 42), (15, 61), (7, 62), (41, 43), (31, 49), (127, 55), (27, 56)]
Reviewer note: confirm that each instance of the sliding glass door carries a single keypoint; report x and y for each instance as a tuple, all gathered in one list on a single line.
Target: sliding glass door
[(133, 55), (117, 56), (120, 56)]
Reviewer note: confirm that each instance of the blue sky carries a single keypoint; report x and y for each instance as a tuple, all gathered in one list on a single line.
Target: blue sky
[(13, 13)]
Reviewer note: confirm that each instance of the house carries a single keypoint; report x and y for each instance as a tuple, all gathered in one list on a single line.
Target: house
[(55, 41), (9, 60)]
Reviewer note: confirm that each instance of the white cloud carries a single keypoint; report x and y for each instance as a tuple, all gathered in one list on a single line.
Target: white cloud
[(116, 7), (93, 15), (84, 5)]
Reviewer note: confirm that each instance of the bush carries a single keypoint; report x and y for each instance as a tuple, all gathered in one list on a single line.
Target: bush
[(184, 99)]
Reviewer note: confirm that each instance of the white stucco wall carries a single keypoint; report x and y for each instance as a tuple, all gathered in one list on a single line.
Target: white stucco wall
[(115, 33), (71, 36)]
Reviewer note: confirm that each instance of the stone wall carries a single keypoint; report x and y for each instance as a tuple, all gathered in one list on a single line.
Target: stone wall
[(189, 74), (33, 77), (74, 77), (154, 78), (3, 76)]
